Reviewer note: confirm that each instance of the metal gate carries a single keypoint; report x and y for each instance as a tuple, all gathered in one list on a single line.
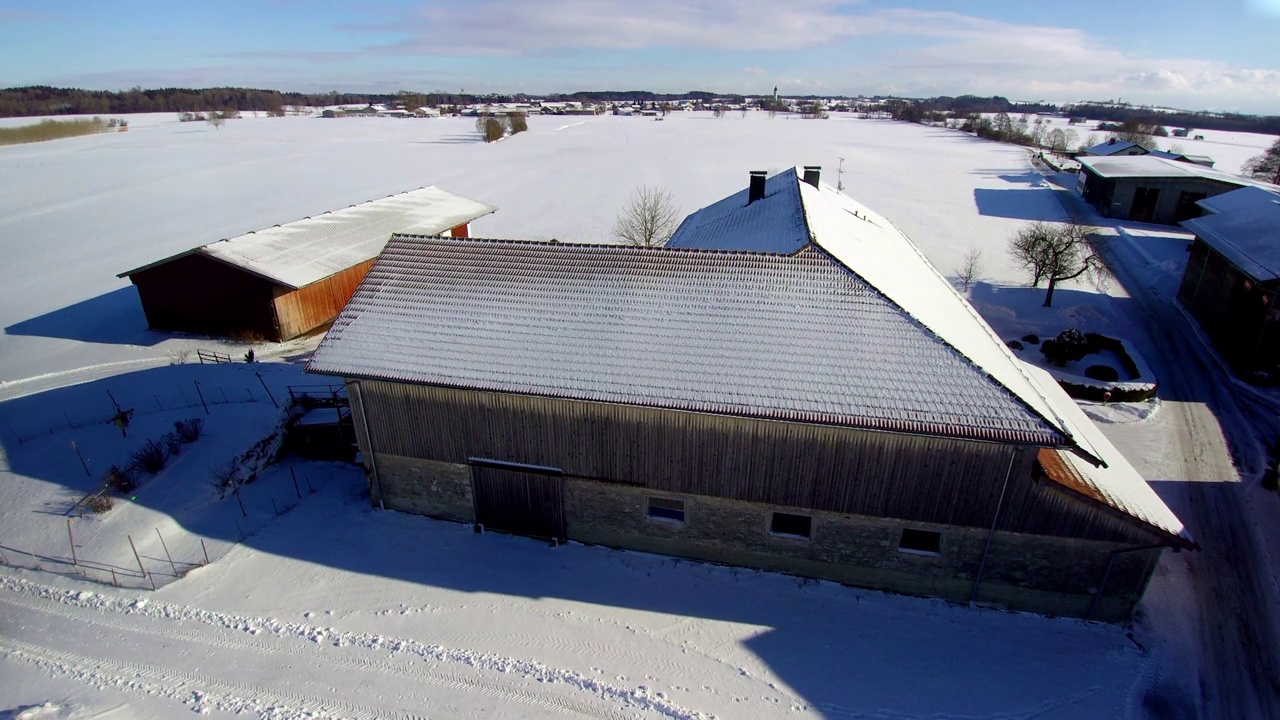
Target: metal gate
[(519, 499)]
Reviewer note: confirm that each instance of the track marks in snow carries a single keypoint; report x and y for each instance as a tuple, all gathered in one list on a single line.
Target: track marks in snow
[(309, 641)]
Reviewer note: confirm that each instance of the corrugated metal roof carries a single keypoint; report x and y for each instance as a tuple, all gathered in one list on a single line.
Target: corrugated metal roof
[(304, 251), (1147, 166), (1248, 234), (794, 337)]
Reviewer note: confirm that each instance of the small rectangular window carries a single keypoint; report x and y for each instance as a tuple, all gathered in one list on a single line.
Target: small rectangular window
[(788, 525), (666, 510), (920, 542)]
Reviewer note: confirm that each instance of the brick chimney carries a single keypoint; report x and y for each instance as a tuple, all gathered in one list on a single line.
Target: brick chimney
[(812, 173), (755, 190)]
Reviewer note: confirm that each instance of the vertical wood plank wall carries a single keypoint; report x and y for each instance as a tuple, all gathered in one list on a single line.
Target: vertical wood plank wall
[(936, 480)]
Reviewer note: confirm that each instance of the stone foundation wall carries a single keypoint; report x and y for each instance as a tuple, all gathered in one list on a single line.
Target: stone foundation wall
[(1036, 573)]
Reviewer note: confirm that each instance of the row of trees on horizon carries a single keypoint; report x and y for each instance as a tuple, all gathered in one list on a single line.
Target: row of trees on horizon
[(42, 100)]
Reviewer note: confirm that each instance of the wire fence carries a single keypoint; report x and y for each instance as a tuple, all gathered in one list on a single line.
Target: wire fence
[(152, 560), (146, 403)]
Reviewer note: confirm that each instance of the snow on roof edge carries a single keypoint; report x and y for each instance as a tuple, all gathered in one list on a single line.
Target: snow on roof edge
[(1012, 377)]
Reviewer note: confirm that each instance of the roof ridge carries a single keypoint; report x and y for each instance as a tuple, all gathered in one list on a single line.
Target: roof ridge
[(656, 249), (1057, 421)]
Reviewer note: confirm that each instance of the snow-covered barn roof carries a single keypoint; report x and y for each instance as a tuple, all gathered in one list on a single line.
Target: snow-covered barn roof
[(301, 252), (1247, 234), (1147, 166), (1110, 148), (1236, 199), (794, 337)]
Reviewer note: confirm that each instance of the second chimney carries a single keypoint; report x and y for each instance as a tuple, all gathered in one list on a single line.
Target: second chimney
[(812, 173), (755, 191)]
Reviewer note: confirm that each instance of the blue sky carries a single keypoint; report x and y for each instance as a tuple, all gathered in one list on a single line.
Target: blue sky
[(1196, 55)]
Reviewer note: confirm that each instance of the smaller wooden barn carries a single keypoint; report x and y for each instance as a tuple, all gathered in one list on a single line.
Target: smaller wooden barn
[(1232, 281), (287, 280), (1152, 189)]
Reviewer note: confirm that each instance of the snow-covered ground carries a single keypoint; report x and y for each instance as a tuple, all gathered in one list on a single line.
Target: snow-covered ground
[(330, 608)]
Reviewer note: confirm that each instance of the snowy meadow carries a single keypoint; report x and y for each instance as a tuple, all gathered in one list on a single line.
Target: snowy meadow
[(316, 605)]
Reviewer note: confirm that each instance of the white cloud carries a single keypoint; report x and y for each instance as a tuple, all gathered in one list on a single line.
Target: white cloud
[(752, 71)]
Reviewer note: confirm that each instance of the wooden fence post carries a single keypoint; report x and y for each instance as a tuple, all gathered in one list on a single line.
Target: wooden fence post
[(136, 556), (166, 553), (71, 538)]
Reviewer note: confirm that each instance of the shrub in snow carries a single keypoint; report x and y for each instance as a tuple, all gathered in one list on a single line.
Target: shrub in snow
[(1070, 346), (518, 122), (226, 474), (172, 443), (99, 503), (151, 457), (189, 430), (1031, 339), (1014, 345), (121, 480), (1105, 373)]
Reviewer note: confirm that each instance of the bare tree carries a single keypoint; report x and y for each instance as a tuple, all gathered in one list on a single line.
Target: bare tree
[(215, 119), (1056, 252), (970, 268), (649, 220), (1265, 167), (518, 122), (491, 129), (1139, 133)]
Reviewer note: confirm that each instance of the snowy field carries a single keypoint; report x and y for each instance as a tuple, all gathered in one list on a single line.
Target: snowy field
[(315, 605)]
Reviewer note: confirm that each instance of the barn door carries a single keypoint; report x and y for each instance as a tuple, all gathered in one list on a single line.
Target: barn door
[(519, 499)]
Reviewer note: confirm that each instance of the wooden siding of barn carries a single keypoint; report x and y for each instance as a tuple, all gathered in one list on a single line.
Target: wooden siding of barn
[(1231, 307), (889, 475), (307, 308), (198, 295)]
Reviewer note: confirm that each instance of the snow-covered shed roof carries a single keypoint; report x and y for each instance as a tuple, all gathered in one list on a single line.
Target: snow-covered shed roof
[(301, 252), (1183, 157), (1248, 234), (795, 337), (1111, 148), (1241, 198), (1147, 166)]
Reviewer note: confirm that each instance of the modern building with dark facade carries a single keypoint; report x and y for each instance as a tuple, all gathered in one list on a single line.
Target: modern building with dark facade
[(789, 385), (287, 280), (1152, 189), (1232, 280)]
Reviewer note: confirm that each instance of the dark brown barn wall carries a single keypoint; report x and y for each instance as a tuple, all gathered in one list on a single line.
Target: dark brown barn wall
[(936, 480), (198, 295), (309, 307)]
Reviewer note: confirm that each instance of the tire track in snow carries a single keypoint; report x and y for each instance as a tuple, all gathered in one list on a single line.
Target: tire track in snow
[(74, 603), (199, 692), (311, 653)]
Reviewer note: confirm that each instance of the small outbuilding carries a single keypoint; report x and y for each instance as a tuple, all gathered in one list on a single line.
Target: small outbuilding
[(287, 280), (1115, 148), (789, 385), (1152, 189), (1232, 280)]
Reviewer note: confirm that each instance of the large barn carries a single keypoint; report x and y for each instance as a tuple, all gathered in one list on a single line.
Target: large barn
[(1232, 280), (792, 387), (287, 280), (1153, 189)]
